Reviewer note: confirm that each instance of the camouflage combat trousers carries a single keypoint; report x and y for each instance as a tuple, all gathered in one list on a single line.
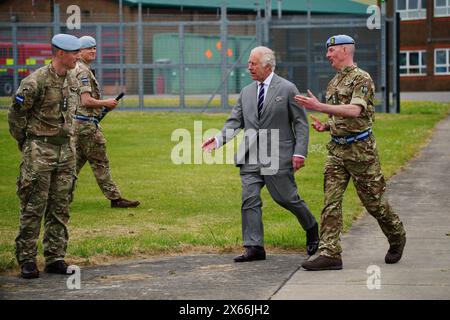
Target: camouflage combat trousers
[(45, 187), (360, 162), (91, 147)]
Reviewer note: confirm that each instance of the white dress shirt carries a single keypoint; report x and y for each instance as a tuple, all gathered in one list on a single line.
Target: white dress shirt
[(266, 86)]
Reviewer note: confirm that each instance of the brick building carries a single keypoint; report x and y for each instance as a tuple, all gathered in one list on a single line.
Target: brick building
[(100, 19), (424, 44)]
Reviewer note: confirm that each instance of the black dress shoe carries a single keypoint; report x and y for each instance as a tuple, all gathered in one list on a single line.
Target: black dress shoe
[(59, 267), (29, 270), (312, 240), (251, 254)]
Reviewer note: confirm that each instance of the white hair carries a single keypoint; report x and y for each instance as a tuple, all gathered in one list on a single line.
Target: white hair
[(267, 56), (350, 49)]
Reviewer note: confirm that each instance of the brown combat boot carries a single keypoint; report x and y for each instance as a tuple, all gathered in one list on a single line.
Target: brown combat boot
[(29, 270), (395, 252), (323, 263), (58, 267), (124, 203)]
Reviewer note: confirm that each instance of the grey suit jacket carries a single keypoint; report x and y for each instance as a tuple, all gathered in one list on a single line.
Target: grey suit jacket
[(279, 112)]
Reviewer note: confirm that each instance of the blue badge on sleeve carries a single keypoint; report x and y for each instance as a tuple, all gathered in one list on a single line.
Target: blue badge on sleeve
[(85, 80), (20, 99)]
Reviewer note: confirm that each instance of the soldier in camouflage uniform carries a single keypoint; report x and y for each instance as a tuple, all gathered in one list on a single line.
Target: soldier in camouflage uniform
[(90, 142), (352, 153), (40, 119)]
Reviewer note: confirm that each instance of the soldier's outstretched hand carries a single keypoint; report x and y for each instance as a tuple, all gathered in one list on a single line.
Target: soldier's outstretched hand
[(317, 125), (310, 102)]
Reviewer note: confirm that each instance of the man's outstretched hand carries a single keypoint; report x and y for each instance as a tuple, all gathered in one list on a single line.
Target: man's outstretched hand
[(209, 145)]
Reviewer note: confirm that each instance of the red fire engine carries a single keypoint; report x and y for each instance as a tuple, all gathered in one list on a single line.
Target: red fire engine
[(29, 54)]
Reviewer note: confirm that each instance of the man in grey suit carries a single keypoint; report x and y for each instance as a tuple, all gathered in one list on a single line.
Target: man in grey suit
[(272, 122)]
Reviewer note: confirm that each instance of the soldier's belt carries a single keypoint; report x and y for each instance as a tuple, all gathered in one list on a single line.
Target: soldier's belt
[(352, 138), (85, 118), (58, 140)]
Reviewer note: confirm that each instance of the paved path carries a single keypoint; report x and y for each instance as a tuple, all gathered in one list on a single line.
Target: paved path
[(180, 277), (420, 194), (437, 96)]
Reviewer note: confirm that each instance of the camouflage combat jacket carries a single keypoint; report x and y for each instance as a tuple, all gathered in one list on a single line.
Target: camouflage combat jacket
[(44, 104), (352, 85), (89, 84)]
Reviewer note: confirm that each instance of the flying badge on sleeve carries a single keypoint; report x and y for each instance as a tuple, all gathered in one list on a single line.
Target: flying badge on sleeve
[(365, 88)]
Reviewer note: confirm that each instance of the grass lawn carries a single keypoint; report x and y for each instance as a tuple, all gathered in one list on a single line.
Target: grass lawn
[(190, 208), (160, 101)]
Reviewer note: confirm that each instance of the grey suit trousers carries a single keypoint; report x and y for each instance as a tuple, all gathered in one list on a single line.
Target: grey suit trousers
[(283, 190)]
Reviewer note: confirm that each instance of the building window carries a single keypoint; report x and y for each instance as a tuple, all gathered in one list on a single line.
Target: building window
[(441, 61), (413, 63), (442, 8), (412, 9)]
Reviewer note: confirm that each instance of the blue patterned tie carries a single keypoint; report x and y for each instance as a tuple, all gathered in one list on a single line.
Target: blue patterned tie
[(260, 99)]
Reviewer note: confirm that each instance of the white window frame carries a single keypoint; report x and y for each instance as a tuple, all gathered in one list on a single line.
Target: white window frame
[(447, 63), (407, 67), (442, 11), (413, 14)]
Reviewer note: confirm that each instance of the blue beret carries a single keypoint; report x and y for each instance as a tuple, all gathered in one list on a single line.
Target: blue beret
[(66, 42), (87, 42), (339, 39)]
